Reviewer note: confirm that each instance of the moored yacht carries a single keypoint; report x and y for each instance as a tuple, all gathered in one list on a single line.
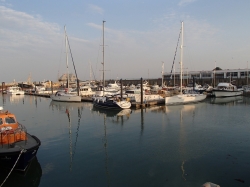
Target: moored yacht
[(102, 100), (15, 90), (196, 87), (190, 96), (66, 96), (111, 103), (84, 91), (225, 89)]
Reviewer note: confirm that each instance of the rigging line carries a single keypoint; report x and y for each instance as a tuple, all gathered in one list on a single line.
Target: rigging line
[(60, 60), (70, 139), (77, 129), (93, 73), (175, 54), (72, 57)]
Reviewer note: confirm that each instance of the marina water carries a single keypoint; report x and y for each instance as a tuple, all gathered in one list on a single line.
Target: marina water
[(185, 145)]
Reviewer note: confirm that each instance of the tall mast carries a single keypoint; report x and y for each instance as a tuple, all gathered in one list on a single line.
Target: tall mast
[(162, 74), (247, 72), (103, 78), (89, 71), (214, 73), (181, 53), (66, 47)]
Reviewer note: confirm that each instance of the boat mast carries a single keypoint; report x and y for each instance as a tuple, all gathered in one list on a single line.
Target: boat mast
[(181, 53), (90, 73), (162, 74), (247, 72), (103, 78), (214, 73), (66, 47)]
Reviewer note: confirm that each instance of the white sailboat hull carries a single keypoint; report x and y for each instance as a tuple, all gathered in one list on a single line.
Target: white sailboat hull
[(184, 99), (66, 98), (148, 98)]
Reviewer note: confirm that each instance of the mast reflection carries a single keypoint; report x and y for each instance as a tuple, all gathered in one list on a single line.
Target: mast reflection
[(68, 107)]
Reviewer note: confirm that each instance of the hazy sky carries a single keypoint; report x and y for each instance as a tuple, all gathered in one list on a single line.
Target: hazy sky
[(139, 36)]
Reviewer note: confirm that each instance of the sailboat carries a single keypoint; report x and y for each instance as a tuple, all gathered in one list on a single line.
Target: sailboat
[(109, 102), (66, 96), (187, 97)]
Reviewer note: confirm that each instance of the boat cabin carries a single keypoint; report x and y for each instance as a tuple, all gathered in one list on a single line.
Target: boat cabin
[(226, 86), (10, 130)]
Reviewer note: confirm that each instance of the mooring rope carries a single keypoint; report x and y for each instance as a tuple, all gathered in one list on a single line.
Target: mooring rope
[(22, 151)]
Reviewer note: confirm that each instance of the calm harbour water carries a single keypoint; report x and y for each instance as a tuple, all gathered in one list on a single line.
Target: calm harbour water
[(159, 146)]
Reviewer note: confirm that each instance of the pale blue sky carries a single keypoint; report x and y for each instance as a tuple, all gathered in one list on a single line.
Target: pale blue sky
[(139, 35)]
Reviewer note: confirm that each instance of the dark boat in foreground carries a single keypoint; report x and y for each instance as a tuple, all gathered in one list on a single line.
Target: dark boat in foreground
[(29, 178), (17, 147)]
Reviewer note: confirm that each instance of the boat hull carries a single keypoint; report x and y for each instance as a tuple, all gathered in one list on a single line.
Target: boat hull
[(113, 106), (223, 100), (226, 93), (64, 98), (15, 93), (184, 99), (111, 103), (27, 150)]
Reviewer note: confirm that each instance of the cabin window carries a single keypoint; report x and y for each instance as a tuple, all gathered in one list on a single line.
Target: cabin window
[(10, 120), (1, 121)]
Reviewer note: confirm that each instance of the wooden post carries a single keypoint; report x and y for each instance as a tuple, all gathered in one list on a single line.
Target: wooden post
[(193, 83), (51, 87), (3, 85), (78, 87)]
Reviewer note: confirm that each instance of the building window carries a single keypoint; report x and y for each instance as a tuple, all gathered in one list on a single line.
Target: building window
[(219, 75), (206, 75)]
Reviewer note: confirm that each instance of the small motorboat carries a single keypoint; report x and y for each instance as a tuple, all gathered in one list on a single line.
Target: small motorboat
[(225, 89), (17, 147), (109, 102)]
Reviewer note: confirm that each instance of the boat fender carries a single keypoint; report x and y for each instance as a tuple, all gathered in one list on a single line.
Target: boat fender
[(8, 128), (2, 129)]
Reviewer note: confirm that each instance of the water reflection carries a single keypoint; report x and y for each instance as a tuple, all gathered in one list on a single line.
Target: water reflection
[(180, 146), (16, 98), (226, 100), (105, 146), (116, 116), (30, 178), (62, 106), (68, 107), (3, 99), (185, 112)]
